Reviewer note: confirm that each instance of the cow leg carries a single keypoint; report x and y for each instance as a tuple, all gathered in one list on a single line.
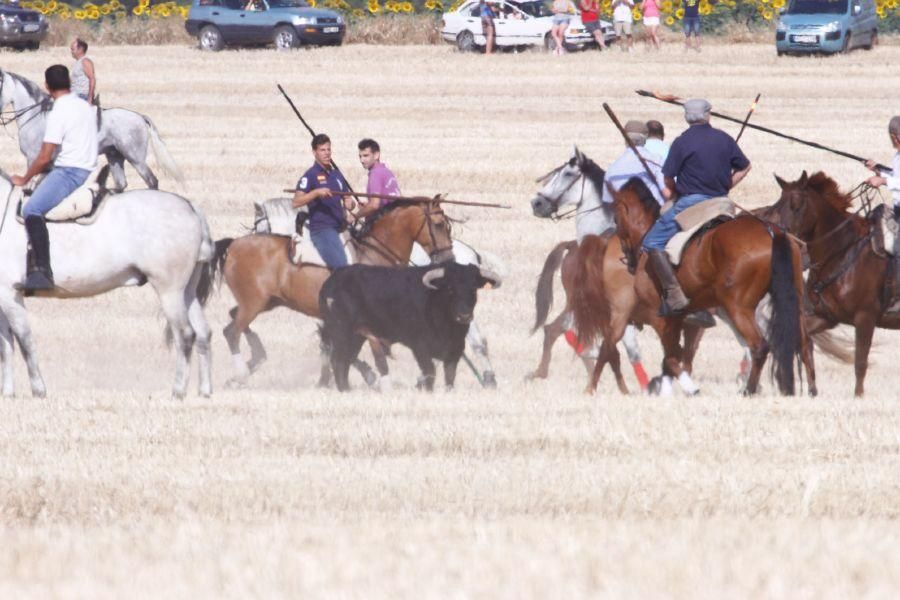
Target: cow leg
[(426, 365), (380, 351), (551, 332), (450, 373), (344, 349)]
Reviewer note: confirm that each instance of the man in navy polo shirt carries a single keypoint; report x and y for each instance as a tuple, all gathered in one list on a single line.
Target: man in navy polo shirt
[(703, 163), (326, 211)]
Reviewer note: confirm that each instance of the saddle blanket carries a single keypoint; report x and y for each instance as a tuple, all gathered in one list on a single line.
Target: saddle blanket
[(303, 252), (691, 220), (78, 206)]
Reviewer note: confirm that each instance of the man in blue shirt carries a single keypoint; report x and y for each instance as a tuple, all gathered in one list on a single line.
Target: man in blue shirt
[(703, 163), (326, 211)]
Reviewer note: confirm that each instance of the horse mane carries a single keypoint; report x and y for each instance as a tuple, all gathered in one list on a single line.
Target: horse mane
[(33, 89), (381, 212), (593, 172), (640, 189), (828, 189)]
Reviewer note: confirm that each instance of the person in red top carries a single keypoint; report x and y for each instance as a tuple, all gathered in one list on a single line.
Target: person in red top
[(590, 16)]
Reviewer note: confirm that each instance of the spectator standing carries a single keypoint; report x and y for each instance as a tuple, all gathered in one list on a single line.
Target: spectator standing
[(590, 16), (83, 75), (381, 180), (622, 20), (655, 136), (562, 14), (650, 9), (487, 26), (691, 24)]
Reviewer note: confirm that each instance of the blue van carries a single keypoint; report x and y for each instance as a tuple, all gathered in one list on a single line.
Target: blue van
[(826, 26)]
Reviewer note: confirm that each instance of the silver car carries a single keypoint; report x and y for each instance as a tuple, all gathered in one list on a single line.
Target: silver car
[(22, 28)]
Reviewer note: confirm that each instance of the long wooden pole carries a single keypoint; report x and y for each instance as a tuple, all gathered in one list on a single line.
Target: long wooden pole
[(674, 100), (747, 119), (421, 199)]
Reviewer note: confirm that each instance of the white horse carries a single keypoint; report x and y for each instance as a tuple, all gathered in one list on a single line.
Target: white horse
[(277, 216), (124, 134), (137, 237)]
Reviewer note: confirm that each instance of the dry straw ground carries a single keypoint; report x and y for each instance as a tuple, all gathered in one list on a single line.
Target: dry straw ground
[(108, 489)]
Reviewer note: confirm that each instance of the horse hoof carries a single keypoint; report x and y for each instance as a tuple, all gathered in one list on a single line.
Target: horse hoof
[(489, 380), (655, 386), (371, 379), (254, 366), (39, 394), (813, 392), (178, 396), (236, 384)]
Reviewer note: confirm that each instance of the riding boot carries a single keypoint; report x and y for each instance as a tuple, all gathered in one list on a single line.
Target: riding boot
[(701, 318), (673, 301), (39, 276)]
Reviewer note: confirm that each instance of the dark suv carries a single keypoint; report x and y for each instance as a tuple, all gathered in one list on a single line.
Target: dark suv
[(21, 28), (285, 23)]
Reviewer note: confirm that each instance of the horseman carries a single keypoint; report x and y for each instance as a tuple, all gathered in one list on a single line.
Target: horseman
[(381, 180), (703, 163), (327, 218), (892, 182), (72, 131), (628, 165)]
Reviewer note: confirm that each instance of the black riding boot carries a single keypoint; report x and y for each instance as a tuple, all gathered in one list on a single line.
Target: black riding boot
[(673, 301), (39, 277)]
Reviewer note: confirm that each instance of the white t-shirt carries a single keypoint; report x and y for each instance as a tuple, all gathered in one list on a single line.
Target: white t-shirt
[(72, 124), (622, 12)]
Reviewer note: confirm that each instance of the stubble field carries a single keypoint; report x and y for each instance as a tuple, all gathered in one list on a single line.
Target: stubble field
[(109, 489)]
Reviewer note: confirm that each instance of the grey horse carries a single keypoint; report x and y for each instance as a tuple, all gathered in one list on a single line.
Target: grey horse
[(124, 134)]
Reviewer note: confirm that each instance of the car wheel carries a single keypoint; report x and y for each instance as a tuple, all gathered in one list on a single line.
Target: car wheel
[(779, 53), (286, 38), (211, 39), (846, 47), (465, 41), (873, 40), (549, 43), (32, 45)]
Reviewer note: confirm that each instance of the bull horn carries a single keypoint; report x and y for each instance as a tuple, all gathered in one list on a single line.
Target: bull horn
[(491, 277), (430, 276)]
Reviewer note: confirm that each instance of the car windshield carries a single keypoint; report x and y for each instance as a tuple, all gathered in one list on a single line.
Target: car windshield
[(817, 7), (535, 9), (288, 4)]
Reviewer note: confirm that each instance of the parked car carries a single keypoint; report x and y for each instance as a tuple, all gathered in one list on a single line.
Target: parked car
[(518, 23), (826, 26), (285, 23), (22, 28)]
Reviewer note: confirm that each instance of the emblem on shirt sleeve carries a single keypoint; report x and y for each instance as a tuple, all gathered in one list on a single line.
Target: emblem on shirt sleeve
[(302, 184)]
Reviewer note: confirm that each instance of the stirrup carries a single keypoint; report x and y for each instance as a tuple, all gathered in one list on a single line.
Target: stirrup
[(38, 280), (667, 311)]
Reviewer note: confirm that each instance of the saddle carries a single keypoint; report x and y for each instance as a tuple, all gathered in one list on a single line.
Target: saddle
[(697, 220), (303, 252), (82, 206)]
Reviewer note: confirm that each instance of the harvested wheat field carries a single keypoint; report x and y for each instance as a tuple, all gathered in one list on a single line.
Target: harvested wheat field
[(110, 489)]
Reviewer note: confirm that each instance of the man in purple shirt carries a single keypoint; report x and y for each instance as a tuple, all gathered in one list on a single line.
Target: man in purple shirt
[(381, 179)]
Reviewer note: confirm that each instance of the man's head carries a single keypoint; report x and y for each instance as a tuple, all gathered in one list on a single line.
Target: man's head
[(369, 153), (56, 79), (321, 146), (655, 130), (79, 48), (636, 132), (894, 131), (697, 111)]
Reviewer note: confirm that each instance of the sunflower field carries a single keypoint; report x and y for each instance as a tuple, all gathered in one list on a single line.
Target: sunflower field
[(716, 13)]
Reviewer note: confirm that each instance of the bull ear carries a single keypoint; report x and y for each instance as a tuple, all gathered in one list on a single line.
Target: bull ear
[(430, 279), (804, 178), (781, 182), (490, 278)]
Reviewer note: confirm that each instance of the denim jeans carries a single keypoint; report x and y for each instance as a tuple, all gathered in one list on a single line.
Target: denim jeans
[(330, 246), (54, 188), (666, 227)]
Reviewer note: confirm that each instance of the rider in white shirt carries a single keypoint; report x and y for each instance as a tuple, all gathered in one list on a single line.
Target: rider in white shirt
[(628, 165), (892, 182), (72, 130)]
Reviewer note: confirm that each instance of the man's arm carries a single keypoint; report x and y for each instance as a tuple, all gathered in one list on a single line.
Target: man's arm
[(44, 158), (738, 176), (368, 208), (669, 189), (88, 66), (304, 198)]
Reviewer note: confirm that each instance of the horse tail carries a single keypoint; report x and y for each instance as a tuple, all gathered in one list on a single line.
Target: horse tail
[(589, 305), (543, 295), (211, 275), (784, 328), (836, 347), (165, 160)]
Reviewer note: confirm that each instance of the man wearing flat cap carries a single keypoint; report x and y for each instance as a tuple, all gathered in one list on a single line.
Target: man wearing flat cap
[(703, 163)]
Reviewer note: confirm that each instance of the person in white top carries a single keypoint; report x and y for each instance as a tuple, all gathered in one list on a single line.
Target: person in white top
[(655, 143), (621, 170), (83, 76), (892, 182), (622, 20), (72, 131)]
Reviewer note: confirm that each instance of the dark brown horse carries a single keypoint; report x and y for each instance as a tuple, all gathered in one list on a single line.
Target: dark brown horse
[(847, 276), (733, 266), (261, 276)]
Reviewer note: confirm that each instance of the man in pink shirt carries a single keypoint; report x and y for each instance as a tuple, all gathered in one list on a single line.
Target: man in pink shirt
[(381, 179)]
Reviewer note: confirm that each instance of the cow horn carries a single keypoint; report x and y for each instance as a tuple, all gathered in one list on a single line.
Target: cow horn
[(490, 276), (430, 276)]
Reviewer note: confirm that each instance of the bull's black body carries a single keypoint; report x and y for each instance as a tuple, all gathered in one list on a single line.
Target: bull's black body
[(395, 305)]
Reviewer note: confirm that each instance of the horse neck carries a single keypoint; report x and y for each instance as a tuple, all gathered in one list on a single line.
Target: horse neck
[(392, 236), (834, 237), (21, 98), (592, 202)]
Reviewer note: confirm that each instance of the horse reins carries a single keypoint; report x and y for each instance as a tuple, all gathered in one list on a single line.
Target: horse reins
[(385, 251), (556, 216), (8, 116)]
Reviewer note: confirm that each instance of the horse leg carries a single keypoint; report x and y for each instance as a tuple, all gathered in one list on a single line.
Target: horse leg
[(258, 353), (479, 347), (14, 310), (247, 311), (551, 332), (692, 337), (746, 326), (176, 312), (629, 340), (669, 332), (6, 357), (117, 168), (602, 357), (865, 329), (146, 174), (203, 338)]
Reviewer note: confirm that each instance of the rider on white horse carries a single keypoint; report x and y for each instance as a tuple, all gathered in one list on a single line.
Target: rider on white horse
[(72, 130)]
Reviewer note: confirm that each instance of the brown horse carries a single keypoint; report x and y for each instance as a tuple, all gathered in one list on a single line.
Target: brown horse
[(847, 278), (732, 266), (261, 276)]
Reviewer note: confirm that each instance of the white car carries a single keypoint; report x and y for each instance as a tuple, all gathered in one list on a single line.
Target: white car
[(518, 23)]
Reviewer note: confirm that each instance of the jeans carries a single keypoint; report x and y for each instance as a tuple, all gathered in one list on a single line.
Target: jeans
[(330, 246), (54, 188), (666, 227)]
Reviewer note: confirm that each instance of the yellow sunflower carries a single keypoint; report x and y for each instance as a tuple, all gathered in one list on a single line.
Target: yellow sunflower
[(670, 21)]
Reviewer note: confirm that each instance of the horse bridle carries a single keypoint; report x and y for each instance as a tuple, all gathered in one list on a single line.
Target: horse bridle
[(554, 201), (8, 116)]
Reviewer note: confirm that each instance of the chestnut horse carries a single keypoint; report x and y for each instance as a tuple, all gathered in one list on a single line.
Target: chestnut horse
[(847, 277), (261, 276), (732, 266)]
